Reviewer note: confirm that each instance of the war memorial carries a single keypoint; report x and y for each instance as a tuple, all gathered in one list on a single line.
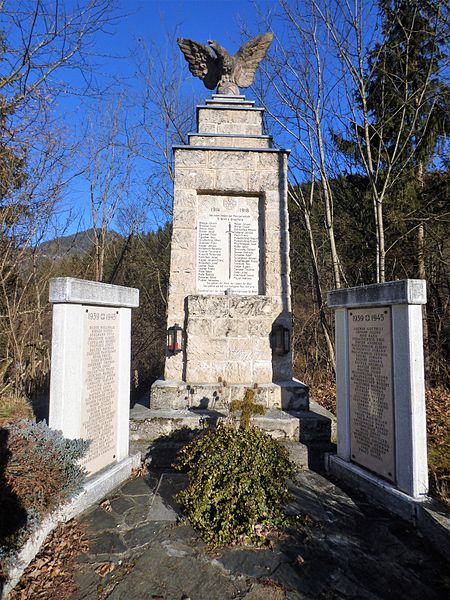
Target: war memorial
[(229, 329)]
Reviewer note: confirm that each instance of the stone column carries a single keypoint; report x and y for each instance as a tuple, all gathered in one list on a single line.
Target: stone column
[(380, 391), (229, 272), (90, 368)]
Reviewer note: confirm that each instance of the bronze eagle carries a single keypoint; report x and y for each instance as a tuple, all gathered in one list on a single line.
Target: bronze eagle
[(217, 68)]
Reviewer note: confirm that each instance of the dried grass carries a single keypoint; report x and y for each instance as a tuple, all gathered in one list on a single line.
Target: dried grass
[(13, 408)]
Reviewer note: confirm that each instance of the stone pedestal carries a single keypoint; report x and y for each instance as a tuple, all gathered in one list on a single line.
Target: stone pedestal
[(380, 391), (229, 273), (90, 368)]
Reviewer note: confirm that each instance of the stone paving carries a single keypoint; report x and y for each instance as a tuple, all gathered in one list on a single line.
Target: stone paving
[(345, 548)]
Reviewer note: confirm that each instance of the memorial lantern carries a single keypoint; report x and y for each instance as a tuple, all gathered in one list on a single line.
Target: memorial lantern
[(280, 340), (174, 339)]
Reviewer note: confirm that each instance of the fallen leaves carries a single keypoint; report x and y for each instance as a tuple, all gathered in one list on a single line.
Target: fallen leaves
[(141, 471), (105, 569), (106, 505), (50, 575)]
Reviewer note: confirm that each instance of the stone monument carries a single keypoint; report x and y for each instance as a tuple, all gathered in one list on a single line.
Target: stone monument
[(229, 308), (380, 391), (90, 368)]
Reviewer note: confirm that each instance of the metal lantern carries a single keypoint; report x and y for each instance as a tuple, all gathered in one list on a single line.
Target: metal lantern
[(174, 339), (280, 340)]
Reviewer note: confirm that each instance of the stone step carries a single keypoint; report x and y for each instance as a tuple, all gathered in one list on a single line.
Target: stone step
[(161, 454), (289, 395), (307, 426)]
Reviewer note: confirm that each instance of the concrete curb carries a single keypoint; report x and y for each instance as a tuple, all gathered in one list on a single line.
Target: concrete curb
[(93, 490)]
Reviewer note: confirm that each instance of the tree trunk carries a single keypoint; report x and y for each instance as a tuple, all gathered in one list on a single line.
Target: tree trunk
[(421, 270), (318, 291)]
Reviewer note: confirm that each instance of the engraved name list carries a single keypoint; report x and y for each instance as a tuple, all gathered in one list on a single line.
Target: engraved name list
[(228, 245), (100, 389), (371, 396)]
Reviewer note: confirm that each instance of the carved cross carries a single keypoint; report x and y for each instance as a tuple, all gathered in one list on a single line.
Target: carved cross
[(248, 407)]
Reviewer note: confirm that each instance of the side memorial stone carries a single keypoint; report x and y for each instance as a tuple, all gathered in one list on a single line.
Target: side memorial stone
[(90, 375), (380, 390)]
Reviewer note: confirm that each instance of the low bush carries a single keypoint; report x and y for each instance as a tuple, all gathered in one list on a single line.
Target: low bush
[(237, 484), (39, 470)]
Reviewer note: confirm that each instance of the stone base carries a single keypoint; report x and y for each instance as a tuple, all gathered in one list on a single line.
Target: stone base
[(380, 491), (178, 395)]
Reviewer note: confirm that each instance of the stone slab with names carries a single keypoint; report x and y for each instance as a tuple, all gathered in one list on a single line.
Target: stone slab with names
[(371, 390), (100, 385), (380, 391), (228, 245), (90, 368)]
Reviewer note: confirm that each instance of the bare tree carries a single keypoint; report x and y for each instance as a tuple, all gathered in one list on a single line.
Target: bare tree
[(38, 40), (109, 173), (166, 118), (296, 88), (386, 153)]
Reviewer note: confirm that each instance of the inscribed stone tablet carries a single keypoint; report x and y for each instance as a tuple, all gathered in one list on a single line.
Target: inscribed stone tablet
[(228, 245), (371, 390), (100, 388)]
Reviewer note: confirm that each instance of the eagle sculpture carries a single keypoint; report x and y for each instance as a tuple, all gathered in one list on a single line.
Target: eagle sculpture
[(217, 68)]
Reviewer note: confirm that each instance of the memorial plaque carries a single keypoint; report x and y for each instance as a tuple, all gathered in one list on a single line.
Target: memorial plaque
[(371, 390), (100, 385), (228, 245)]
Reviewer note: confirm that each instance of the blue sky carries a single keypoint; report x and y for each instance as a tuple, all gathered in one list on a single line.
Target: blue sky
[(113, 55)]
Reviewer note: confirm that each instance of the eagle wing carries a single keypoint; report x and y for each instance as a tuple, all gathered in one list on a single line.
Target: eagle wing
[(202, 63), (249, 57)]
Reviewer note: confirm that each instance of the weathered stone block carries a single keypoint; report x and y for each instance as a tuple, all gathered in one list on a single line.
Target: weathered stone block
[(185, 198), (252, 306), (206, 127), (272, 221), (271, 162), (182, 260), (211, 306), (203, 346), (238, 372), (184, 239), (238, 128), (174, 367), (262, 371), (190, 158), (260, 181), (201, 371), (232, 160), (199, 326), (198, 179), (259, 328), (236, 181), (227, 327), (184, 217), (282, 367), (249, 349)]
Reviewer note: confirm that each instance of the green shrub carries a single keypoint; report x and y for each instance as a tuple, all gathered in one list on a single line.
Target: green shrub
[(39, 470), (237, 484)]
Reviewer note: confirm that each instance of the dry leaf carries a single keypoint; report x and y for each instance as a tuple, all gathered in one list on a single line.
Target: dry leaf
[(105, 568), (106, 505)]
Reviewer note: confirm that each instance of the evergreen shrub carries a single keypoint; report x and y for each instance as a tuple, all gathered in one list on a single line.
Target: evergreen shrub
[(39, 470), (237, 484)]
